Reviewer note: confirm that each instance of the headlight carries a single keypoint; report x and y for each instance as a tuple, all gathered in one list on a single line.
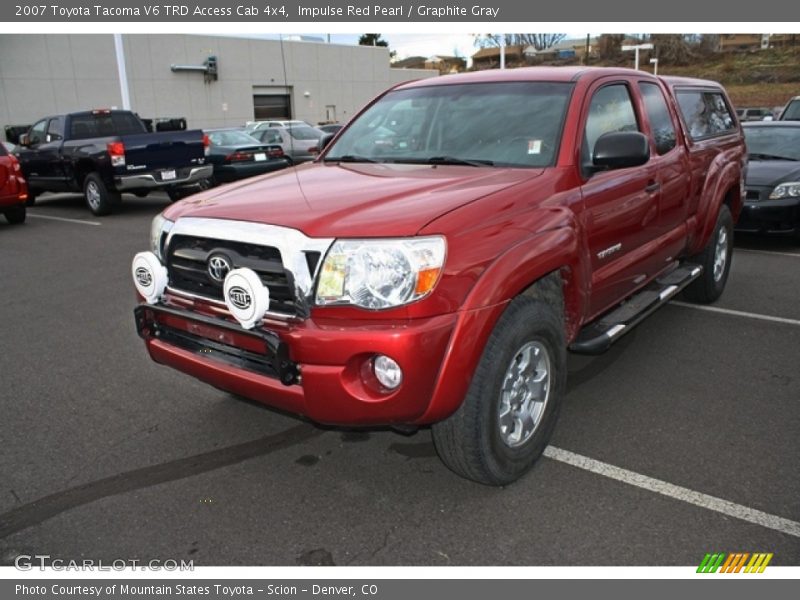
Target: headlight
[(378, 274), (790, 189), (158, 228)]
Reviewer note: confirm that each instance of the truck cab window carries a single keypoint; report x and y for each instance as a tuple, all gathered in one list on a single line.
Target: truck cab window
[(660, 119), (37, 133), (611, 110)]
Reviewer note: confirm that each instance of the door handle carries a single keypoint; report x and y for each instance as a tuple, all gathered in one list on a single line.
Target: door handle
[(651, 187)]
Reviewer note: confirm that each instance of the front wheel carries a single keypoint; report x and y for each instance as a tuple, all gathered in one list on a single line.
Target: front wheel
[(100, 200), (510, 410), (716, 260)]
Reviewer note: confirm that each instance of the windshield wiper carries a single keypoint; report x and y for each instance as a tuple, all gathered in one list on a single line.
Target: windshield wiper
[(454, 160), (760, 156), (351, 158)]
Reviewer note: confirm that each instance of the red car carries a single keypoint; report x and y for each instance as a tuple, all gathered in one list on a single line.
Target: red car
[(13, 189), (437, 262)]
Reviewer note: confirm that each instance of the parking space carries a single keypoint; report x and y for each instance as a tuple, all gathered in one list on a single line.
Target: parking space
[(108, 455)]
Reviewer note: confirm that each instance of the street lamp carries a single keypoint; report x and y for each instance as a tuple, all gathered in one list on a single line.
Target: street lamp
[(636, 49), (654, 62)]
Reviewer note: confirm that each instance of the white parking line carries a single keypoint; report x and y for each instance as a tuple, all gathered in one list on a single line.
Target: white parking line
[(738, 313), (748, 251), (79, 221), (731, 509)]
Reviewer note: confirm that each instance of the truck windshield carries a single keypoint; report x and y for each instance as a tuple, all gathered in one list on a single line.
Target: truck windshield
[(515, 124), (104, 125)]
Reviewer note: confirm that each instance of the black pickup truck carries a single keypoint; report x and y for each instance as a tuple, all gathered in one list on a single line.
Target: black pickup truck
[(104, 153)]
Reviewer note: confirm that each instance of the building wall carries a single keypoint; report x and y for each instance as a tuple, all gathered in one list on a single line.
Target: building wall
[(50, 74)]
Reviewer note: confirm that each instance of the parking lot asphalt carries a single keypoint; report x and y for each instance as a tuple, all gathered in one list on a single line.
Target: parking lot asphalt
[(107, 455)]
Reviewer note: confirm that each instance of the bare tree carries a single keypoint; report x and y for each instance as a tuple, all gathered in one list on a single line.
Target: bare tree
[(540, 41), (672, 48), (609, 45)]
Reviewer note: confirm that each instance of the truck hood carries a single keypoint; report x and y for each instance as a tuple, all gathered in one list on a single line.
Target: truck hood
[(351, 200), (769, 173)]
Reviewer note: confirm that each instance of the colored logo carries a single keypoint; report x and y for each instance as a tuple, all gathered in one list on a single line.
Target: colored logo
[(735, 562)]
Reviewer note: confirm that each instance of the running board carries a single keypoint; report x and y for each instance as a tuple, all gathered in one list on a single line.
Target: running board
[(597, 336)]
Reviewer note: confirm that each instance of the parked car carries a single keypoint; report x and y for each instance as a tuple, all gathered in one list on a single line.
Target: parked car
[(440, 279), (772, 200), (256, 125), (236, 155), (791, 112), (13, 188), (330, 127), (300, 143), (104, 153), (754, 114)]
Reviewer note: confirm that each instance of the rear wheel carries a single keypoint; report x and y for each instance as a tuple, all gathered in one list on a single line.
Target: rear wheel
[(512, 405), (100, 200), (716, 260), (16, 214)]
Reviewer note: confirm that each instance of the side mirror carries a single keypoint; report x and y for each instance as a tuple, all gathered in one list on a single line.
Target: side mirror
[(325, 140), (620, 150), (24, 140)]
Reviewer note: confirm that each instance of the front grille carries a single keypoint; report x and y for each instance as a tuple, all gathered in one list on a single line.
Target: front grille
[(187, 266)]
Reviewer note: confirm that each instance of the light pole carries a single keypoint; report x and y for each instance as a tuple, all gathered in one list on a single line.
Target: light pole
[(654, 62), (636, 49)]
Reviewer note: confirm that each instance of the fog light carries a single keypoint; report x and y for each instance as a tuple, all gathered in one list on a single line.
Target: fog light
[(149, 276), (387, 372), (246, 297)]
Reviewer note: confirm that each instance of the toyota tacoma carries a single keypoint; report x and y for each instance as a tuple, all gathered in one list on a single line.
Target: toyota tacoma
[(436, 263)]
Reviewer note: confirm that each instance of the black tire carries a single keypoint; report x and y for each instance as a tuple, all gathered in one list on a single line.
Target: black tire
[(16, 214), (709, 286), (176, 194), (100, 200), (31, 198), (470, 442)]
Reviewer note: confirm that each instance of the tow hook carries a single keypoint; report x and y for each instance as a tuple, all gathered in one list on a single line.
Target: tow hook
[(288, 371)]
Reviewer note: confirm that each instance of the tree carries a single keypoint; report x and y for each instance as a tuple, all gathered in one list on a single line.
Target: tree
[(372, 39), (672, 48), (609, 45), (540, 41)]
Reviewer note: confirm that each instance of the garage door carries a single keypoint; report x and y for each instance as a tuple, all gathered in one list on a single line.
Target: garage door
[(272, 106)]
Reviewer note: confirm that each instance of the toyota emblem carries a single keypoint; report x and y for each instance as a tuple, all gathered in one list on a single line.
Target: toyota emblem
[(218, 267)]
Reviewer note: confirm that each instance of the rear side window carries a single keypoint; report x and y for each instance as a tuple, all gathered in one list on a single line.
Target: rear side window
[(792, 112), (705, 113), (659, 117), (104, 125), (611, 110)]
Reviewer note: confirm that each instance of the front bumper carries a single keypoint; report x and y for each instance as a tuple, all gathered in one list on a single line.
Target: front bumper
[(150, 181), (770, 216), (318, 369)]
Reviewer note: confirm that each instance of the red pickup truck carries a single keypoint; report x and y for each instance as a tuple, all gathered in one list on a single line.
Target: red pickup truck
[(449, 246)]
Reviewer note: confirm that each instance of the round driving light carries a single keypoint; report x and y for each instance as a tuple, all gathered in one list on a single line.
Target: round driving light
[(387, 372), (149, 276), (246, 297)]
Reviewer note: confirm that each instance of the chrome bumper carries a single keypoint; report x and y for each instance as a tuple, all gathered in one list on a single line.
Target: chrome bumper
[(149, 181)]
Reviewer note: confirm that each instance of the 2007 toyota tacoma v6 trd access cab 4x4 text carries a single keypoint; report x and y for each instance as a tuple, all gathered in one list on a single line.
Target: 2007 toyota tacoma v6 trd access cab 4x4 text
[(446, 250)]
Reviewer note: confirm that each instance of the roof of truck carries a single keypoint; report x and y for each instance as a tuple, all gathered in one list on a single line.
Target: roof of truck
[(553, 74)]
